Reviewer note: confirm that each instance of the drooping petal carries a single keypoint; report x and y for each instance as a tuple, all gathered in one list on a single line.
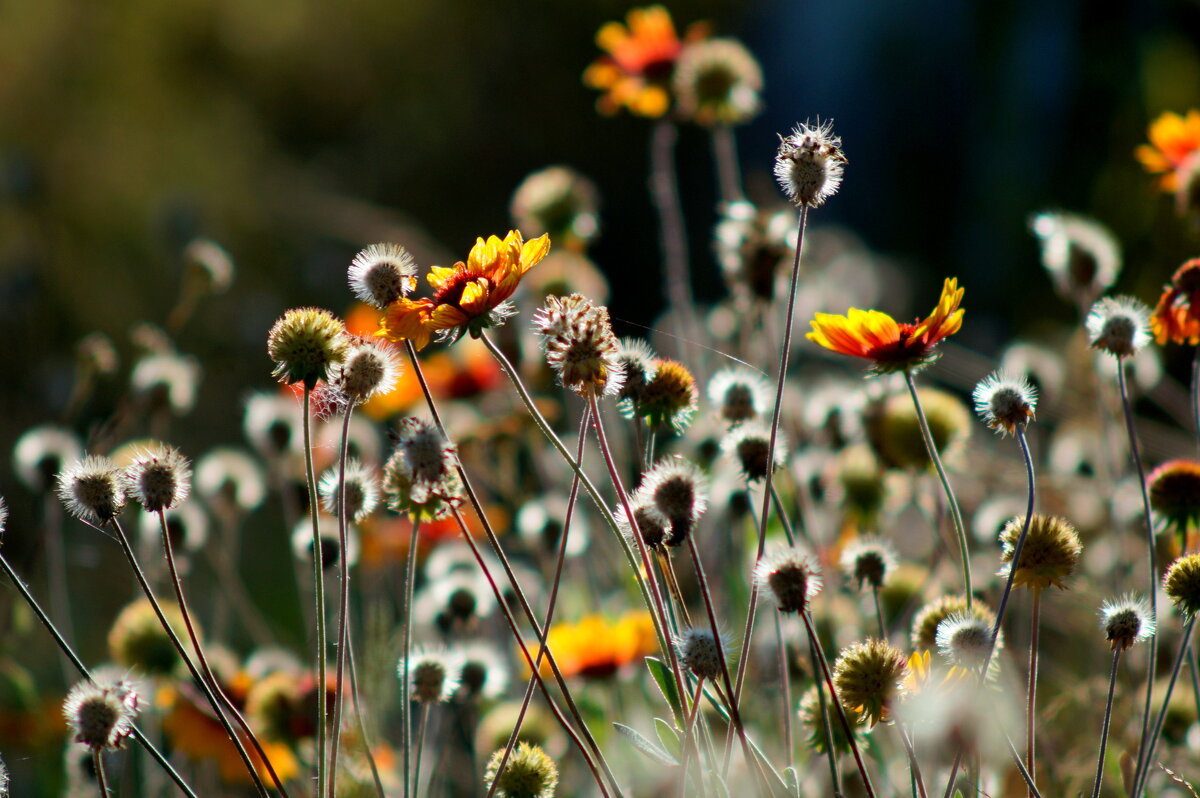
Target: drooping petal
[(408, 320), (474, 300), (533, 251)]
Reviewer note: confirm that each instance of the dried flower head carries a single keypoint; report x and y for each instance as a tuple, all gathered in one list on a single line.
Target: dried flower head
[(482, 672), (1005, 403), (432, 675), (167, 380), (894, 430), (1050, 553), (207, 266), (138, 641), (700, 651), (580, 346), (1126, 620), (812, 719), (668, 399), (381, 274), (678, 490), (529, 773), (159, 479), (559, 201), (739, 394), (370, 368), (809, 164), (750, 445), (421, 478), (361, 493), (1175, 493), (330, 541), (869, 559), (1176, 317), (1119, 326), (273, 423), (230, 479), (1182, 584), (640, 365), (791, 577), (91, 489), (41, 452), (928, 618), (1081, 255), (965, 640), (867, 678), (540, 523), (101, 716), (305, 344), (717, 82), (652, 525)]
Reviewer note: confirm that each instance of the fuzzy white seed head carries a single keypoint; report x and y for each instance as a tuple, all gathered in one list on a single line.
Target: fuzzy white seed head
[(700, 651), (1005, 403), (91, 489), (1126, 620), (809, 164), (790, 577), (158, 480), (382, 273), (1119, 326)]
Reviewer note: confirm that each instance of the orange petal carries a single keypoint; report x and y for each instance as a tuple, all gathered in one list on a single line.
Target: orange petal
[(474, 298), (533, 251)]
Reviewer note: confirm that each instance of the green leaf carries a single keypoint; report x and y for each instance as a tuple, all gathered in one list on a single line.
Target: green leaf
[(644, 745), (792, 779), (666, 684), (669, 738)]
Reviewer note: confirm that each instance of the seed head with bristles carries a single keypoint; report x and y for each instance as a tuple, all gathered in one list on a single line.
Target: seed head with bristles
[(361, 493), (750, 445), (809, 164), (158, 480), (653, 527), (432, 675), (101, 716), (381, 274), (964, 640), (1005, 403), (639, 364), (1126, 620), (717, 81), (668, 399), (678, 490), (790, 577), (1182, 584), (305, 344), (1049, 556), (421, 477), (580, 345), (700, 651), (41, 452), (1175, 493), (1119, 326), (867, 677), (370, 368), (929, 617), (869, 559), (91, 489), (529, 773), (739, 394)]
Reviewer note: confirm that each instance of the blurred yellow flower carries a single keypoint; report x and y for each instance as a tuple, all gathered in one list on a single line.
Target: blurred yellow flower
[(595, 646)]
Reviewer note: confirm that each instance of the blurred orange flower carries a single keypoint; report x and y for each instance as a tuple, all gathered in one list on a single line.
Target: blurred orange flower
[(595, 646), (1174, 140), (1176, 318)]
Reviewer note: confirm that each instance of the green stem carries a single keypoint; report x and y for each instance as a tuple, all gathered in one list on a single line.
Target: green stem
[(98, 766), (343, 605), (785, 679), (410, 575), (835, 778), (318, 558), (1184, 645), (1112, 684)]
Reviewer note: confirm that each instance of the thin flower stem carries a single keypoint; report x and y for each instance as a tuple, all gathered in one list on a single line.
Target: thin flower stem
[(1017, 549), (98, 766), (955, 512), (319, 590), (913, 766), (410, 576), (1016, 758), (1152, 656), (958, 762), (815, 642), (421, 725), (785, 679), (835, 778), (883, 635), (551, 602), (70, 654), (1035, 620), (343, 605), (362, 723), (1195, 390), (664, 189), (56, 566), (1112, 684), (787, 522), (202, 659), (729, 175), (689, 741), (1184, 646)]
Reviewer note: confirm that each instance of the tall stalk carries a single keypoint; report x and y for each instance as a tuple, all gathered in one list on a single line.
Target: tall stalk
[(1112, 684), (1139, 782), (343, 604), (318, 558), (410, 575), (1035, 620)]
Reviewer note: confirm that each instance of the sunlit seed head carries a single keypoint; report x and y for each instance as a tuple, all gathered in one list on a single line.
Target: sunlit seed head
[(1119, 326), (739, 394), (420, 478), (1005, 403), (678, 490), (529, 773), (668, 399), (867, 677), (91, 489), (700, 651), (370, 368), (790, 577), (869, 560), (1126, 620), (432, 675), (930, 616), (580, 345), (159, 479), (750, 445), (809, 164), (101, 716), (330, 542), (965, 640), (381, 274), (1049, 556), (361, 490), (230, 479), (483, 671), (167, 380), (41, 452), (305, 343), (1081, 255), (717, 81), (639, 364), (653, 527), (272, 422), (559, 201), (1182, 584)]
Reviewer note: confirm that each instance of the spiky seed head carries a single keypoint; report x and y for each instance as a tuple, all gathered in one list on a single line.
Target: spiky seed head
[(750, 445), (230, 478), (1049, 556), (529, 773), (809, 164), (739, 394), (1175, 492), (867, 677), (580, 345), (1126, 620), (41, 452), (717, 81), (700, 651), (1119, 326), (370, 368), (652, 525), (101, 716), (790, 577), (1182, 584), (639, 364), (1005, 403), (927, 619), (91, 489), (305, 344), (869, 560), (668, 399), (1081, 255), (482, 672), (678, 490), (167, 380), (421, 478), (361, 494), (381, 274), (138, 641), (964, 640), (329, 539), (159, 479), (432, 675)]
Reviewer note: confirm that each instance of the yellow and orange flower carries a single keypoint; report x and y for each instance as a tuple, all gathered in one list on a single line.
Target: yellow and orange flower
[(1176, 318), (636, 73), (467, 297), (892, 346), (1174, 140), (596, 647)]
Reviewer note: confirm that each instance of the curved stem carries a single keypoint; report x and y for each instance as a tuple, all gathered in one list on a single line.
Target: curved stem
[(1031, 692), (835, 778), (1184, 645), (410, 575), (1017, 549), (955, 512), (421, 724), (1112, 684), (319, 589), (343, 605)]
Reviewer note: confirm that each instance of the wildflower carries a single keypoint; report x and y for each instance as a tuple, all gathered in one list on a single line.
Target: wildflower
[(596, 647), (231, 479), (167, 380), (700, 651), (41, 452), (1126, 620), (540, 525), (1004, 403), (869, 559), (559, 201), (420, 478), (867, 678), (1175, 493), (1174, 140), (361, 491), (809, 164), (138, 641), (965, 640), (580, 346), (739, 394), (1119, 326), (529, 773), (636, 72), (1182, 584), (381, 274), (1176, 318), (331, 544), (929, 617), (208, 267), (894, 429), (668, 399), (877, 337), (482, 673), (91, 490), (1081, 255), (790, 577), (717, 82), (432, 675), (652, 525), (640, 365), (468, 297), (158, 480), (101, 716), (305, 343), (750, 444), (752, 245), (1050, 553), (811, 719), (273, 423), (678, 490), (370, 368)]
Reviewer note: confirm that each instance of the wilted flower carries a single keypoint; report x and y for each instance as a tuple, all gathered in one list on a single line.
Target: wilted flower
[(809, 164), (381, 274)]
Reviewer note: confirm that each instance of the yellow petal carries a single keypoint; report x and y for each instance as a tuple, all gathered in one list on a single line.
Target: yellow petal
[(439, 276), (533, 251), (474, 297)]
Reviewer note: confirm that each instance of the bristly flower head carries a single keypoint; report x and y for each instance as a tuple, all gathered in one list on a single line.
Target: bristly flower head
[(928, 618), (482, 670), (965, 639), (1005, 403), (790, 577), (529, 773), (1081, 255), (1176, 318), (869, 559), (1126, 620), (809, 164), (468, 297), (653, 527), (91, 489), (1182, 584), (739, 394), (1050, 553), (101, 716), (421, 478), (41, 452), (1175, 493), (1119, 326), (305, 343), (668, 399), (753, 247), (640, 364), (700, 651), (158, 480), (867, 678), (362, 490), (432, 675), (371, 367), (166, 380), (382, 273), (717, 82), (559, 201), (678, 490), (230, 479), (580, 346), (750, 444), (812, 718), (891, 346)]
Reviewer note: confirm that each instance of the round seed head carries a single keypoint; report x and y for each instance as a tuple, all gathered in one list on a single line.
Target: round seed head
[(1175, 492), (1005, 403), (580, 346), (750, 445), (700, 651), (929, 617), (158, 480), (1081, 255), (717, 82), (678, 490), (869, 559), (381, 274), (1126, 620), (790, 577), (167, 380), (482, 673), (361, 493), (432, 675), (753, 247), (231, 479), (809, 164), (739, 394), (668, 399), (559, 201), (91, 489), (529, 773), (1050, 553), (273, 423), (330, 542), (1182, 584), (101, 716), (370, 368), (420, 478), (1119, 326), (639, 365), (138, 641), (305, 344), (867, 678), (964, 640), (652, 525), (41, 452)]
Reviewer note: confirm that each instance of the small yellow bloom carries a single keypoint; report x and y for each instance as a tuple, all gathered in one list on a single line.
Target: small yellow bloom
[(1174, 139)]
